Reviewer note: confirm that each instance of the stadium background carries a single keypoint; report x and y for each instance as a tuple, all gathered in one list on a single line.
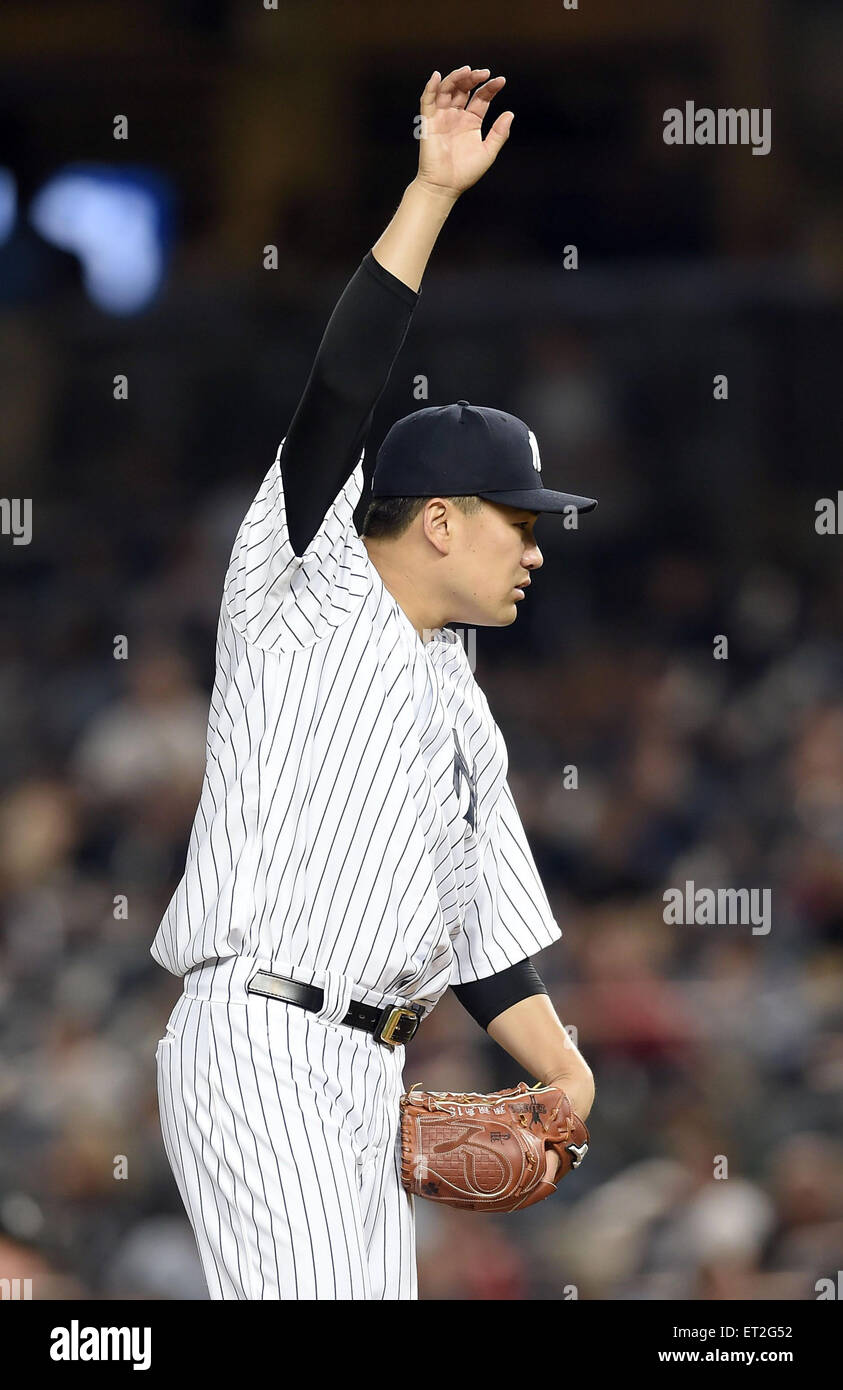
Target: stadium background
[(294, 127)]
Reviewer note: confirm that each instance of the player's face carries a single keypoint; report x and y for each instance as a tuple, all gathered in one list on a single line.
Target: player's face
[(494, 561)]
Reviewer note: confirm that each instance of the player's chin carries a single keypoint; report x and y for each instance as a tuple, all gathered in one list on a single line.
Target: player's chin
[(500, 615)]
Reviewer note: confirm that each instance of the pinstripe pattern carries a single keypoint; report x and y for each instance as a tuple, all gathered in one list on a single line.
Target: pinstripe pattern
[(332, 833), (282, 1132), (356, 831)]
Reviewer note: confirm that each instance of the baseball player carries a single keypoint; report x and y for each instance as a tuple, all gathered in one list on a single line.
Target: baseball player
[(356, 847)]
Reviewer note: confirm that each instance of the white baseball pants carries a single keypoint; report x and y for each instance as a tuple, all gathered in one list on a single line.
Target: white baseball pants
[(282, 1131)]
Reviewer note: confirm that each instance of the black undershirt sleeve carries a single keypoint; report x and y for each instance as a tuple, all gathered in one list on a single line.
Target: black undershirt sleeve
[(332, 420), (485, 999)]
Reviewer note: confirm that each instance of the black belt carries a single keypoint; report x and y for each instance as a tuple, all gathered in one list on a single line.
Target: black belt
[(395, 1024)]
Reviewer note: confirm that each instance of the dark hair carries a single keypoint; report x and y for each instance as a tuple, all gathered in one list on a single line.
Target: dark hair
[(389, 517)]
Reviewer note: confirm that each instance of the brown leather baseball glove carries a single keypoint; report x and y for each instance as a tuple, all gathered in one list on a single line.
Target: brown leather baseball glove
[(488, 1152)]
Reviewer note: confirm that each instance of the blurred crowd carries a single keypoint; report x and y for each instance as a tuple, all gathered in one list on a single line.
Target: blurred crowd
[(638, 760)]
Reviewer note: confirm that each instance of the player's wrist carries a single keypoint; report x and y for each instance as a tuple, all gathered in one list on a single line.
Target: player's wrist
[(439, 195), (579, 1090)]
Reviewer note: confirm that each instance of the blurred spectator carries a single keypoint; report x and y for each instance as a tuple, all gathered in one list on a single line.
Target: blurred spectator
[(151, 739)]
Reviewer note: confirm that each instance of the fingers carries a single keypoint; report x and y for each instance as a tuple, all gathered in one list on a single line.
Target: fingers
[(468, 79), (499, 133), (455, 88), (428, 96), (479, 103), (459, 83)]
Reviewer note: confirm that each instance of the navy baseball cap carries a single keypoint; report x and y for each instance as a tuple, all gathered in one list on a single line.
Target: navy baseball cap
[(467, 450)]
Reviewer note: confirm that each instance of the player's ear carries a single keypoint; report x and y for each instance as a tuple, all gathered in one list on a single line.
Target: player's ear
[(437, 522)]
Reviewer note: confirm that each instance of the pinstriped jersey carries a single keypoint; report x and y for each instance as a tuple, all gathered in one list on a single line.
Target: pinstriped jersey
[(355, 815)]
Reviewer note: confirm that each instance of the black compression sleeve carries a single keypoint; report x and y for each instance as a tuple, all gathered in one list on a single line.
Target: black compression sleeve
[(485, 999), (333, 417)]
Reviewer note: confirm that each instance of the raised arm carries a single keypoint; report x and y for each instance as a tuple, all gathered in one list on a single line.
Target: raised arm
[(369, 324)]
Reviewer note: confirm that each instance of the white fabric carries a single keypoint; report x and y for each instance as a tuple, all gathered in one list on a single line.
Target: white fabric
[(334, 830), (283, 1135)]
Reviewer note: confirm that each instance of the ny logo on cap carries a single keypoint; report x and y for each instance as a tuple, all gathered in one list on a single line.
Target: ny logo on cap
[(537, 463)]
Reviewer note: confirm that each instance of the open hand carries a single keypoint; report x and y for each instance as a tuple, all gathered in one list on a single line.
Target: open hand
[(452, 152)]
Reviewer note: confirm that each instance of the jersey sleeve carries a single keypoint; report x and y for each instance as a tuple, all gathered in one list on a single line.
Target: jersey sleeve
[(509, 917), (280, 601)]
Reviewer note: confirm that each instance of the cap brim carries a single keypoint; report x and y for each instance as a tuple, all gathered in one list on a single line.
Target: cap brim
[(542, 499)]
